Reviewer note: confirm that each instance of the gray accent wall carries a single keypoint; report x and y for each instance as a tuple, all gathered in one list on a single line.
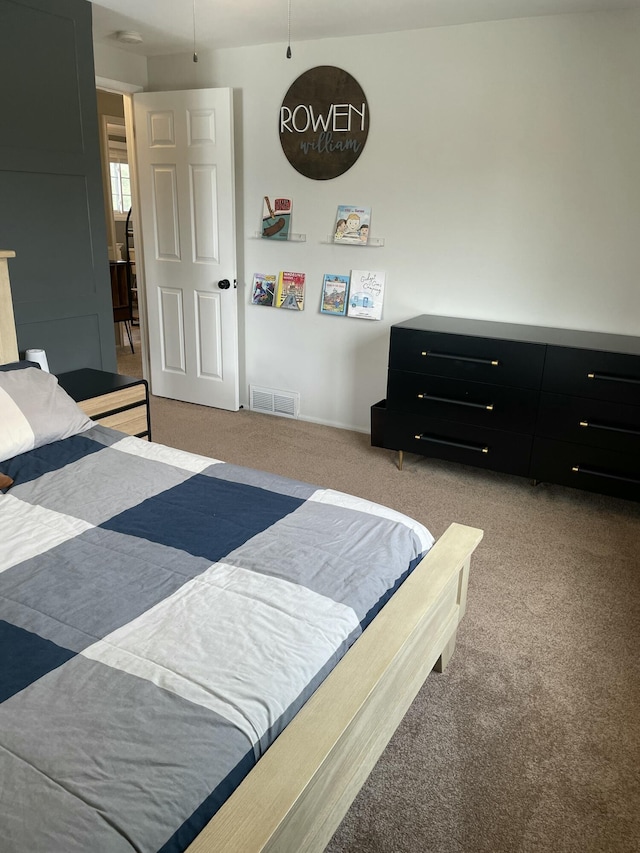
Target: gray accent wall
[(51, 198)]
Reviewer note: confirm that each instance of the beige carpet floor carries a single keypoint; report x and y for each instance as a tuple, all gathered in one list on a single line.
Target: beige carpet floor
[(530, 741)]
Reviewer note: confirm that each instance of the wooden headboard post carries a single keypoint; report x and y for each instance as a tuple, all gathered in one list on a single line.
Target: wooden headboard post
[(8, 340)]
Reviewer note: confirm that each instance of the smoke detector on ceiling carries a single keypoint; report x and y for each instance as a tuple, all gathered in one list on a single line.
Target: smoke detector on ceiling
[(129, 37)]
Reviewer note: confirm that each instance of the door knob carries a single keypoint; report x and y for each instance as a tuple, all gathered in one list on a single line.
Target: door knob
[(224, 284)]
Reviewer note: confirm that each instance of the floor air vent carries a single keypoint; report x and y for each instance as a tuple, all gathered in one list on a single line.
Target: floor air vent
[(272, 402)]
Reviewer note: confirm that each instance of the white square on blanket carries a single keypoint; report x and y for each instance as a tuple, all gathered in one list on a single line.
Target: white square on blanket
[(239, 643), (27, 530)]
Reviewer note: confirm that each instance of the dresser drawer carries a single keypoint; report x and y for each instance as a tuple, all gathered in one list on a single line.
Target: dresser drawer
[(591, 373), (597, 423), (114, 400), (607, 471), (495, 449), (493, 406), (131, 421), (477, 359)]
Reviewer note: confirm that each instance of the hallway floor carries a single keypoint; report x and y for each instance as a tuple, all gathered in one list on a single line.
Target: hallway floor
[(130, 363)]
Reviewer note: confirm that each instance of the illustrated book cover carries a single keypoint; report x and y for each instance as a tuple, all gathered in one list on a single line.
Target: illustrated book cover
[(264, 288), (366, 293), (276, 218), (290, 291), (334, 294), (352, 225)]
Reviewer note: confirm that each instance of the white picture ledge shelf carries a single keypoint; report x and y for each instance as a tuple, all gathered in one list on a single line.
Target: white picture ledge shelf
[(292, 238), (376, 242)]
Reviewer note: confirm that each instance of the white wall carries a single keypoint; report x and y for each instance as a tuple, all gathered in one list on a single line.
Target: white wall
[(502, 171), (113, 64)]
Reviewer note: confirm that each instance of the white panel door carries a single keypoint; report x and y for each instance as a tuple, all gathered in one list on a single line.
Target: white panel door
[(184, 150)]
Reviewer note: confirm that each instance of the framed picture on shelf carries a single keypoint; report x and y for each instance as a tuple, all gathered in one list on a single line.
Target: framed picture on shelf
[(290, 291), (263, 289), (352, 225), (366, 293), (276, 218), (335, 289)]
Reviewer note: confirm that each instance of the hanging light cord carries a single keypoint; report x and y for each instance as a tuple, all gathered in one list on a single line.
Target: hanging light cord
[(288, 29), (195, 52)]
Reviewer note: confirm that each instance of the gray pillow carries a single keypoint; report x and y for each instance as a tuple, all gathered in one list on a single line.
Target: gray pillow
[(34, 410)]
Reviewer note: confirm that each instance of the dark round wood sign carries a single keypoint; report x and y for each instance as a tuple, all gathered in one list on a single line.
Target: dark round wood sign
[(324, 122)]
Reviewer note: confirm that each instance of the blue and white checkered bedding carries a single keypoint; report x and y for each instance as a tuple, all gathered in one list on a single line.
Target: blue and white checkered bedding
[(162, 617)]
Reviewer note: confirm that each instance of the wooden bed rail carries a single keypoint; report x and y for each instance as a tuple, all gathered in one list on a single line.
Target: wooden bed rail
[(8, 341), (296, 796)]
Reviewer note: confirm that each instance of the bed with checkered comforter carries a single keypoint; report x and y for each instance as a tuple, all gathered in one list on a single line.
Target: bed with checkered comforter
[(163, 616)]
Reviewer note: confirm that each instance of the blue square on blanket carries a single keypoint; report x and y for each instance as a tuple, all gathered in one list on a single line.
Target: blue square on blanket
[(51, 457), (25, 657), (205, 516)]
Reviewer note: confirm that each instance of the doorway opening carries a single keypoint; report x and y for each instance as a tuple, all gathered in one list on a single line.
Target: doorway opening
[(118, 177)]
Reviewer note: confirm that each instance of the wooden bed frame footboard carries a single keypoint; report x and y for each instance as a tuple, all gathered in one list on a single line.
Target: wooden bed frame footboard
[(295, 797)]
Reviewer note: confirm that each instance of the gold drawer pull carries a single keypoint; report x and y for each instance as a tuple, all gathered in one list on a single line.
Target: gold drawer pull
[(493, 362), (610, 428), (606, 475), (487, 406), (463, 445), (606, 377)]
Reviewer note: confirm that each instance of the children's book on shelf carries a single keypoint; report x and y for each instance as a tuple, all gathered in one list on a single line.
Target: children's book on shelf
[(290, 291), (334, 294), (264, 288), (366, 293), (276, 218), (352, 225)]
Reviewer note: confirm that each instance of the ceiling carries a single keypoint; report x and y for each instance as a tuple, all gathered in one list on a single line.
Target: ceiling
[(167, 26)]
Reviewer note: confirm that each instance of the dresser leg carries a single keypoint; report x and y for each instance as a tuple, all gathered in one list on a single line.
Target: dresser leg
[(400, 459)]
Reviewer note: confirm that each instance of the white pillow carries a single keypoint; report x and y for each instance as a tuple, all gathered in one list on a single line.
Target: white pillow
[(34, 410)]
